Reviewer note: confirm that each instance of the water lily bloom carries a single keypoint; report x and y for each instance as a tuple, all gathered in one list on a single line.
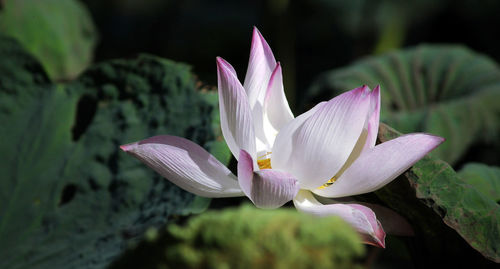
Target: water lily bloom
[(328, 151)]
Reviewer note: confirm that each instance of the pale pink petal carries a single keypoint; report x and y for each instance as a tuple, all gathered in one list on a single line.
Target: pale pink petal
[(245, 172), (266, 188), (360, 217), (185, 164), (282, 147), (316, 150), (380, 165), (260, 67), (393, 223), (373, 118), (277, 112), (235, 114)]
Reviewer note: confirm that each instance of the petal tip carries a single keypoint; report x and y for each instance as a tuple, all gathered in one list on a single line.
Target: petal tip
[(220, 61), (256, 33), (435, 140), (362, 91), (224, 67), (380, 243), (377, 239), (128, 147)]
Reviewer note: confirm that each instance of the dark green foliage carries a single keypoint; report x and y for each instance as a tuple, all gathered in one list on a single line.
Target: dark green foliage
[(69, 198), (484, 178), (60, 33), (430, 191), (449, 91), (248, 237)]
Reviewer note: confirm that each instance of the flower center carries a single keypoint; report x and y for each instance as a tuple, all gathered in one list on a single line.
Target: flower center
[(328, 183), (264, 161)]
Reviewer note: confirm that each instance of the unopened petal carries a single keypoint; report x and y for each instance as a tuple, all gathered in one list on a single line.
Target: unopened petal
[(379, 166), (373, 118), (235, 114), (260, 67), (320, 146), (185, 164), (266, 188), (277, 112), (360, 217)]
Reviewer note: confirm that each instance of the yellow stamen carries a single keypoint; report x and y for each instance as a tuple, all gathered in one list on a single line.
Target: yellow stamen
[(328, 183), (263, 162)]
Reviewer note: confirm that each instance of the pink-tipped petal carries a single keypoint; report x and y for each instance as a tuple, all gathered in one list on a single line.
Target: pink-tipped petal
[(260, 67), (185, 164), (359, 217), (235, 114), (380, 165), (373, 119), (266, 188), (316, 150), (277, 112), (393, 223), (283, 145)]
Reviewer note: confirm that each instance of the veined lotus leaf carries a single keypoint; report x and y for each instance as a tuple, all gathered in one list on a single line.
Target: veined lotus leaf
[(445, 212), (484, 178), (445, 90), (60, 33), (69, 198)]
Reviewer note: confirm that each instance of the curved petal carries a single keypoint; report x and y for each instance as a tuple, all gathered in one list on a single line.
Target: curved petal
[(277, 112), (373, 118), (393, 223), (235, 115), (266, 188), (282, 147), (360, 217), (320, 146), (260, 67), (185, 164), (379, 166)]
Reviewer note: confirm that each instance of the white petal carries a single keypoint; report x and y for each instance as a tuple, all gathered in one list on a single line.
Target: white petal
[(360, 217), (373, 118), (379, 166), (235, 115), (282, 147), (186, 164), (260, 67), (316, 150), (277, 112), (266, 188)]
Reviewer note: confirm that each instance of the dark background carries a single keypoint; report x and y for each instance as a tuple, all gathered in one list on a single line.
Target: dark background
[(308, 37)]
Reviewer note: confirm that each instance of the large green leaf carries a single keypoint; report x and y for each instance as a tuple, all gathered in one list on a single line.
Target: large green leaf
[(484, 178), (445, 90), (60, 33), (69, 198), (431, 194), (248, 237)]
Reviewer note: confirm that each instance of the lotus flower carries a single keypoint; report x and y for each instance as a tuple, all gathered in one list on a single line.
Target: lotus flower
[(329, 150)]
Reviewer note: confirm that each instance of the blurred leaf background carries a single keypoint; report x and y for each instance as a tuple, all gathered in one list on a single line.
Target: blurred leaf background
[(80, 78)]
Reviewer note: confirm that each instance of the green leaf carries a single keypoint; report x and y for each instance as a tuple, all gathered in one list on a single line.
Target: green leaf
[(69, 198), (247, 237), (60, 33), (449, 91), (431, 194), (484, 178)]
